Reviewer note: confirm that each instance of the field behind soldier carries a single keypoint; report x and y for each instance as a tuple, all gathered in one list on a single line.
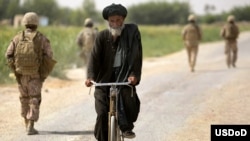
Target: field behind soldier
[(156, 40)]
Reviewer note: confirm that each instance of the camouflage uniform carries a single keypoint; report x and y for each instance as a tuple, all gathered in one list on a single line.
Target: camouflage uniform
[(29, 85), (191, 35), (231, 48), (85, 39)]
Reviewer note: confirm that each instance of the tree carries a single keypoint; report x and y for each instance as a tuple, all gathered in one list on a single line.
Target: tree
[(157, 13), (48, 8), (241, 13), (9, 8), (89, 9), (209, 8)]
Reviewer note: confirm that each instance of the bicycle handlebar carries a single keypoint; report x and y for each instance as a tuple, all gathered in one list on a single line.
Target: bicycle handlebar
[(114, 84), (111, 84)]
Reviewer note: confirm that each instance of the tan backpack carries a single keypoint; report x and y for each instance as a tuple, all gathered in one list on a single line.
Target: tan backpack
[(88, 36), (28, 53), (192, 33), (230, 31)]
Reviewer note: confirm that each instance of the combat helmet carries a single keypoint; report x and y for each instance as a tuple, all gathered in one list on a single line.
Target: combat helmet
[(230, 18), (30, 18), (191, 18), (88, 21)]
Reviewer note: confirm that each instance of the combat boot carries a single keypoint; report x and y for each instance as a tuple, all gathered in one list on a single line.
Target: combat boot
[(31, 130)]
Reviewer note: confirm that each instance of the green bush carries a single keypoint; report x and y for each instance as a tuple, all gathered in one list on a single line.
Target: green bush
[(156, 41), (64, 47)]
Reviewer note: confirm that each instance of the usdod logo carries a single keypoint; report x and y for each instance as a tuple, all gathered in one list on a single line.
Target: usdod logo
[(230, 132)]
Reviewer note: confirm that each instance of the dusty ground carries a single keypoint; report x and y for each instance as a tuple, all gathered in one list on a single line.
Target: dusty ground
[(176, 105)]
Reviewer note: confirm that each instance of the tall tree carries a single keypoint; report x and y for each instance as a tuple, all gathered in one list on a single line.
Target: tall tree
[(48, 8), (209, 8), (241, 13), (8, 8), (89, 8), (159, 13)]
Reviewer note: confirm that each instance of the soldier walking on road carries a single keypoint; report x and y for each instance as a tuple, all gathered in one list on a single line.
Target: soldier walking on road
[(27, 53), (191, 35), (230, 33), (86, 38)]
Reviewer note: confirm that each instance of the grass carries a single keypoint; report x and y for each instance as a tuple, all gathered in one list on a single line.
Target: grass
[(156, 41)]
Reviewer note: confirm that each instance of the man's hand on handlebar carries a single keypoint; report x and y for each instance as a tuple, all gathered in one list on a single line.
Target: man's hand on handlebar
[(88, 82), (133, 80)]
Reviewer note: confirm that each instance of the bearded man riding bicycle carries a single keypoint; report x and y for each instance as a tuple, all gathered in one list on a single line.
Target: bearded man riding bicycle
[(116, 57)]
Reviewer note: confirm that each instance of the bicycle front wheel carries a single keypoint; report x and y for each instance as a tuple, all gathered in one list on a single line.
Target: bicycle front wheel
[(113, 128)]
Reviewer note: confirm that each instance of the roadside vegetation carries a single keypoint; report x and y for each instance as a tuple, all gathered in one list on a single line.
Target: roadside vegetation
[(156, 40)]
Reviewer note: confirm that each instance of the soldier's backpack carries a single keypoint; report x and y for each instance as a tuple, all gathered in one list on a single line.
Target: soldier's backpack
[(28, 53), (192, 32), (230, 31), (89, 36)]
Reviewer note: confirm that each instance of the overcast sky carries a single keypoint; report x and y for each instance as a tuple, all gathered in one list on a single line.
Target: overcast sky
[(197, 5)]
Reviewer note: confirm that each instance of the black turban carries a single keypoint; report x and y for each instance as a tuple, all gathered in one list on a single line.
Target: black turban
[(114, 9)]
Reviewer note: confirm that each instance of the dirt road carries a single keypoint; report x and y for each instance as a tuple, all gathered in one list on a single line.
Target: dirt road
[(176, 105)]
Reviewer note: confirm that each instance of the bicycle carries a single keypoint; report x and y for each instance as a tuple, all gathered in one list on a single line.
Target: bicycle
[(114, 132)]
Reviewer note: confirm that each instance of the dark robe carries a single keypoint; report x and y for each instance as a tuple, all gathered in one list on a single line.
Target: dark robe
[(101, 70)]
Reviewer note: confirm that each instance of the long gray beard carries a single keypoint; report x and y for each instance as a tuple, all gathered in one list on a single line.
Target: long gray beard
[(116, 31)]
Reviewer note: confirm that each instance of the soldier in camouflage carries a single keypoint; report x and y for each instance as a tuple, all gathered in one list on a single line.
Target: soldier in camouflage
[(192, 35), (85, 39), (230, 33), (29, 85)]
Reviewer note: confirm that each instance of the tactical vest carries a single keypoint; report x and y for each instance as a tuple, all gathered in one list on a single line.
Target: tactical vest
[(28, 53), (230, 31), (192, 33), (89, 36)]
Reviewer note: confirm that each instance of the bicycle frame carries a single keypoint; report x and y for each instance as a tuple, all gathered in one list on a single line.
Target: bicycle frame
[(114, 132)]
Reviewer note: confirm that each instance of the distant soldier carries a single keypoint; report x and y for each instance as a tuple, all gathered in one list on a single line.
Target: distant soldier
[(191, 35), (29, 55), (85, 39), (230, 33)]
